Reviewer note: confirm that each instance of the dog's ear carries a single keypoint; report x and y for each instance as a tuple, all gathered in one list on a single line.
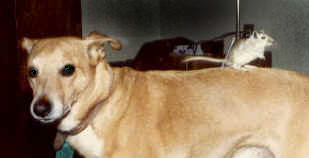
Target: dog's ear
[(94, 36), (27, 44), (95, 43)]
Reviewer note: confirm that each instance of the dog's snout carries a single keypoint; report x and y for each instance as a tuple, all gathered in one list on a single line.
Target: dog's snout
[(42, 107)]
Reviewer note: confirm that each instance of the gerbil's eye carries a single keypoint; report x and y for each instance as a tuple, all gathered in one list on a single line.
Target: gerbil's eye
[(263, 37), (68, 70), (32, 72)]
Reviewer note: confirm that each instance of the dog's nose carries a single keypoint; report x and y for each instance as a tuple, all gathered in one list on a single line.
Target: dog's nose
[(42, 107)]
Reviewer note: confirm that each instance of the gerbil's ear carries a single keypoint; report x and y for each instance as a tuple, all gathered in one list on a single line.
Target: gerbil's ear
[(27, 44), (255, 34), (95, 43)]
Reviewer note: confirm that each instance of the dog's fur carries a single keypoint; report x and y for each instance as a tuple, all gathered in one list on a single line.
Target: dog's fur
[(210, 113)]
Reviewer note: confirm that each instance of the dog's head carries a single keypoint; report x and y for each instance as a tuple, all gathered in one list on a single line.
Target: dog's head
[(61, 71)]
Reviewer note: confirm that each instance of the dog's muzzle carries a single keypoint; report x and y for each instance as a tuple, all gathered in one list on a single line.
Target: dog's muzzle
[(48, 110), (42, 107)]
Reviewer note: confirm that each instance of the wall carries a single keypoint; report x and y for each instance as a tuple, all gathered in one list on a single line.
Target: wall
[(134, 22)]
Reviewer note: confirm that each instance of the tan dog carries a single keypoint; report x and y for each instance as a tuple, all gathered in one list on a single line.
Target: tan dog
[(210, 113)]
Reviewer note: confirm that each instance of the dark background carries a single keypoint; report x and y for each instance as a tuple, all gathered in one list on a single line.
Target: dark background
[(21, 136), (135, 22)]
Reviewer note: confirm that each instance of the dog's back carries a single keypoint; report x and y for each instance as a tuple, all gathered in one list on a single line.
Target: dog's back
[(215, 111)]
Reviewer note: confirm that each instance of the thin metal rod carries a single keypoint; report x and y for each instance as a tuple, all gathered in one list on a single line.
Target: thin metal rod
[(237, 21)]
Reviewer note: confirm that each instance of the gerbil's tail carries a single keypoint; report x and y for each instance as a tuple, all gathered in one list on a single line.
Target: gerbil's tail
[(203, 58)]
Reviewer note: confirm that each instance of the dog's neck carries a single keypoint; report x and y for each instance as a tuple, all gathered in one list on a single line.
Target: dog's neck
[(62, 135), (106, 121), (87, 117)]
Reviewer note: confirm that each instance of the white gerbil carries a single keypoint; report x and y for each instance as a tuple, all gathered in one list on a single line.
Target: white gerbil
[(243, 51)]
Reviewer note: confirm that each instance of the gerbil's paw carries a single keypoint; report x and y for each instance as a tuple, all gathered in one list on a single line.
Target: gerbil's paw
[(238, 67), (249, 67)]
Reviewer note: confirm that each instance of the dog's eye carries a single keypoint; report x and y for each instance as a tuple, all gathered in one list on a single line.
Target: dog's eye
[(32, 72), (263, 37), (68, 70)]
